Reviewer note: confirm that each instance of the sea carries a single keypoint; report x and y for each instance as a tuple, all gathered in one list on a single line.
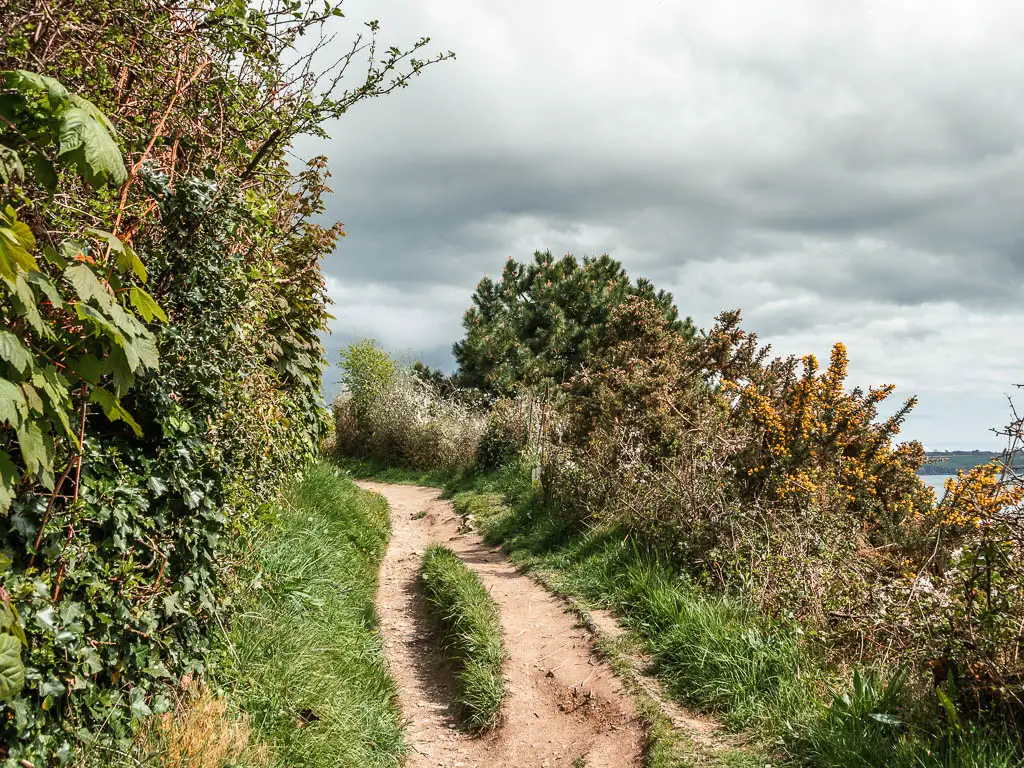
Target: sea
[(937, 482)]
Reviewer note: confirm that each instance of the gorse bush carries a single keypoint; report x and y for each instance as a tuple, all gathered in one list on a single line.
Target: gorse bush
[(766, 477), (763, 474), (387, 412)]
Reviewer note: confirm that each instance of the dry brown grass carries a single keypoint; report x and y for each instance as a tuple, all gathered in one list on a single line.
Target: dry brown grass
[(201, 732)]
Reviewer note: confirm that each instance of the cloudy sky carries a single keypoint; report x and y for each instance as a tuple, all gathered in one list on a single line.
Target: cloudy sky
[(840, 171)]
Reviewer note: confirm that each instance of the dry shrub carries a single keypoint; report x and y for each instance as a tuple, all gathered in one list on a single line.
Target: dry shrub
[(515, 426), (389, 414)]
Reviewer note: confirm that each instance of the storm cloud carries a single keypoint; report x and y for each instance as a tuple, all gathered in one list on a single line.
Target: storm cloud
[(848, 171)]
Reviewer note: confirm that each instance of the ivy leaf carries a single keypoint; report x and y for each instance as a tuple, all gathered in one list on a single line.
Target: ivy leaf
[(14, 352), (156, 485), (146, 305), (46, 618), (88, 287), (12, 671), (11, 168), (113, 409), (139, 707), (9, 479), (86, 145)]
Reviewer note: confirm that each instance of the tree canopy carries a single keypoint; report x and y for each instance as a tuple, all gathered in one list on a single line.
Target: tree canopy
[(543, 319)]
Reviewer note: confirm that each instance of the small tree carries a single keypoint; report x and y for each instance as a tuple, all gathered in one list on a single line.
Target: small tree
[(543, 319)]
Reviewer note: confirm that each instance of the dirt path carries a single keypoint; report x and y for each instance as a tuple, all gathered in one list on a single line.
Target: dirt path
[(565, 705)]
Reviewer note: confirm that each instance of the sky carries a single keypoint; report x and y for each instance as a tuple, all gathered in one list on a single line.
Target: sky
[(846, 171)]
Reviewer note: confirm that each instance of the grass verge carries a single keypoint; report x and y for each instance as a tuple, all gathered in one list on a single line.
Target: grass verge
[(470, 633), (304, 659)]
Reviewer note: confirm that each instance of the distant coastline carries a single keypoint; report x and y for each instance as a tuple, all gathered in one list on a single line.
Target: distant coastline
[(950, 462)]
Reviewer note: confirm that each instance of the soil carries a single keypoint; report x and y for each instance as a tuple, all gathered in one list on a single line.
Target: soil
[(565, 706)]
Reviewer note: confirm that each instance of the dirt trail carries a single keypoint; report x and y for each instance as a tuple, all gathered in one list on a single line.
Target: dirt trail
[(564, 702)]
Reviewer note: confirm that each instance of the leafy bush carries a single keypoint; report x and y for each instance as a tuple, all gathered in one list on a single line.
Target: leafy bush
[(390, 414), (161, 306)]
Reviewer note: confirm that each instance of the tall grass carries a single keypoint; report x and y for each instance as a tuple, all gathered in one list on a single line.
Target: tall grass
[(304, 656), (470, 632)]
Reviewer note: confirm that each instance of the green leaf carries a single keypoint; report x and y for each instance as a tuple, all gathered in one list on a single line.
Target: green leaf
[(12, 671), (885, 718), (14, 352), (44, 284), (100, 322), (29, 82), (36, 451), (11, 168), (86, 145), (69, 250), (87, 367), (125, 258), (17, 628), (26, 305), (88, 287), (55, 388), (35, 402), (113, 409), (16, 242), (46, 174), (146, 305), (93, 110), (13, 408), (9, 479)]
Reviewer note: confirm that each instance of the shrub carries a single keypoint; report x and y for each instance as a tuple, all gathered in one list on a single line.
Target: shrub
[(515, 426), (771, 477), (390, 414)]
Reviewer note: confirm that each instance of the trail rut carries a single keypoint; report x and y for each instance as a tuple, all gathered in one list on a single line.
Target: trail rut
[(565, 704)]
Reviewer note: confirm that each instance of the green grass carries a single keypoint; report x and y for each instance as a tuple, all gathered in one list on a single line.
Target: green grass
[(470, 633), (304, 658), (368, 469), (718, 654)]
